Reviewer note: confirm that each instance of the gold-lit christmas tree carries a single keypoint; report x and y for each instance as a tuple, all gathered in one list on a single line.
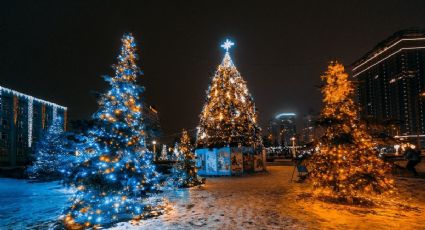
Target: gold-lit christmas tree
[(228, 117), (346, 166), (185, 171)]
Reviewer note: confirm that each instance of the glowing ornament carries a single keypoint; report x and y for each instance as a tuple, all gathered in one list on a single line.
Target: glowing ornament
[(227, 45)]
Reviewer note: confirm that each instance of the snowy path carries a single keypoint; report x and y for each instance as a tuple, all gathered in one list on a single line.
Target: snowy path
[(271, 201), (263, 201)]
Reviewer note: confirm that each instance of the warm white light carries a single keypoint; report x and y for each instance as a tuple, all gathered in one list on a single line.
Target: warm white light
[(409, 48), (385, 49)]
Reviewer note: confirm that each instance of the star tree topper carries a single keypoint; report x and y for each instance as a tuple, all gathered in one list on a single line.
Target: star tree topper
[(227, 45)]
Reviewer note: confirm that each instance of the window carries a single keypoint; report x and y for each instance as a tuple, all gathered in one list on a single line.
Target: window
[(3, 136), (3, 152)]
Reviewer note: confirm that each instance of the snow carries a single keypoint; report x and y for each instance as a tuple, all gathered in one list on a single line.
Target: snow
[(30, 205), (263, 201), (272, 201)]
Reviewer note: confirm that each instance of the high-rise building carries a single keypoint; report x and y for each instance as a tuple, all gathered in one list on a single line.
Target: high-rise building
[(23, 119), (282, 128), (391, 81), (152, 124), (307, 134)]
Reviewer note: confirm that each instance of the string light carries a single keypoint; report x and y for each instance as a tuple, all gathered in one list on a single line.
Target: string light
[(115, 182), (30, 118), (30, 100), (346, 165), (228, 116), (184, 171), (18, 94)]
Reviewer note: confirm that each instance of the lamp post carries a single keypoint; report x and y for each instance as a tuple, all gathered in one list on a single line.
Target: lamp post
[(293, 147), (154, 149), (418, 125)]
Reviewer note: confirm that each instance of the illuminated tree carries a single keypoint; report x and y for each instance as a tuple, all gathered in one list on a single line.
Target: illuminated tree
[(347, 166), (51, 155), (229, 116), (176, 152), (184, 171), (164, 153), (114, 185)]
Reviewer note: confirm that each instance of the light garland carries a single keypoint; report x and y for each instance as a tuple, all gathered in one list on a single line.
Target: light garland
[(18, 94), (30, 118), (184, 171), (116, 180), (346, 165), (54, 113), (229, 115), (30, 110)]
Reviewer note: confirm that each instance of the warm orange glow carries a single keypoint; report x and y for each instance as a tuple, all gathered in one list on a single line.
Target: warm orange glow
[(347, 165)]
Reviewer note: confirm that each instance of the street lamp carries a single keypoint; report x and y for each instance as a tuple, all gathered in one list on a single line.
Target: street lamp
[(293, 147), (154, 149), (418, 123), (396, 147)]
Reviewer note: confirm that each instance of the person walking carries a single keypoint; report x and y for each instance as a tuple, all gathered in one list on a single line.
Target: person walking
[(413, 158)]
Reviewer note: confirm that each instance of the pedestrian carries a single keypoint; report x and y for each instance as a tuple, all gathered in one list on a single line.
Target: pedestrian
[(413, 158)]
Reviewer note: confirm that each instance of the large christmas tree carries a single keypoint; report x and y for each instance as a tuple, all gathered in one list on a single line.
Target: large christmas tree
[(184, 170), (229, 116), (112, 186), (347, 166), (50, 153)]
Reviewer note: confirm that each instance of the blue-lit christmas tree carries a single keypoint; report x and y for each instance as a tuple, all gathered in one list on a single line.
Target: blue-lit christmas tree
[(50, 154), (184, 171), (114, 186)]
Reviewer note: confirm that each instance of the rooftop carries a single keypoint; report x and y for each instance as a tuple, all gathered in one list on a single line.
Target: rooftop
[(409, 34), (18, 94)]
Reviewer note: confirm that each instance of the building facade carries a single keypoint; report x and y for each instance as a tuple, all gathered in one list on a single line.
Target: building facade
[(23, 119), (282, 128), (391, 80), (307, 134)]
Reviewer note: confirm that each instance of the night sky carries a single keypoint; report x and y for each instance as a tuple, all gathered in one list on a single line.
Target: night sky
[(58, 50)]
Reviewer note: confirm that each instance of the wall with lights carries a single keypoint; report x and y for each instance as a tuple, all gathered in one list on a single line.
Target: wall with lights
[(22, 121)]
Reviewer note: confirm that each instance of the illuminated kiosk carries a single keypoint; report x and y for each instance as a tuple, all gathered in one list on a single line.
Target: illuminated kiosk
[(228, 161), (228, 138)]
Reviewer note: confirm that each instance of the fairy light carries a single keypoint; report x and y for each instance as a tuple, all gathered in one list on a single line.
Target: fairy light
[(30, 118), (54, 113), (185, 171), (30, 110), (28, 97), (346, 165), (119, 161), (228, 115)]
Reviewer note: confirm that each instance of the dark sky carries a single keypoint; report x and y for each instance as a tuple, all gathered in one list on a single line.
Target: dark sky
[(58, 50)]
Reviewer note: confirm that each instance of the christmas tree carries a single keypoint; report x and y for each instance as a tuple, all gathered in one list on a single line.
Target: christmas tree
[(229, 116), (347, 166), (176, 152), (184, 171), (50, 153), (164, 153), (114, 185)]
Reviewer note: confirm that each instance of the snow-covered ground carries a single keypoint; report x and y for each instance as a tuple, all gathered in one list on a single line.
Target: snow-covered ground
[(264, 201), (272, 201), (25, 205)]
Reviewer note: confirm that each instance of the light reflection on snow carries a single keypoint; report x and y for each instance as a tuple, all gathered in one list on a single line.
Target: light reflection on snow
[(30, 205)]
